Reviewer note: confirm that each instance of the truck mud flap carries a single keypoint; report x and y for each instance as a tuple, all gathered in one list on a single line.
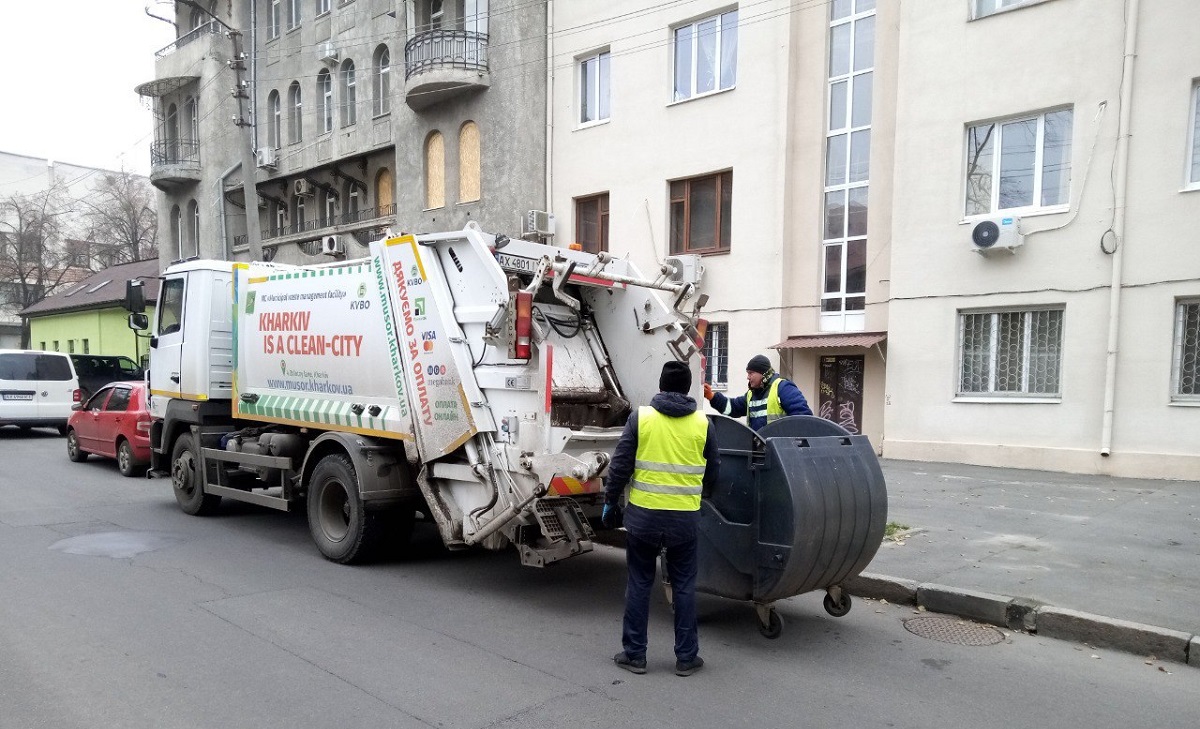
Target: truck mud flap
[(799, 506)]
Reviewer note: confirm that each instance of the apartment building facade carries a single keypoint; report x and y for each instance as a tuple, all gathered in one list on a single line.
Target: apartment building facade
[(360, 117), (1071, 127)]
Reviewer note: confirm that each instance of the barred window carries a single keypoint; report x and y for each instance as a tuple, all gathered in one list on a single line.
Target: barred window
[(1011, 352), (716, 354), (1186, 362)]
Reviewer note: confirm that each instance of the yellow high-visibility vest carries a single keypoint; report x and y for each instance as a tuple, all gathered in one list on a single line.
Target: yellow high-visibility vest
[(768, 406), (668, 471)]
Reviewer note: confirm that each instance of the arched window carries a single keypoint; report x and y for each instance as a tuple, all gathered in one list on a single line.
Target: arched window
[(349, 95), (198, 19), (275, 121), (468, 162), (193, 236), (191, 121), (353, 203), (328, 207), (384, 198), (171, 133), (435, 171), (177, 231), (383, 80), (325, 91), (295, 113)]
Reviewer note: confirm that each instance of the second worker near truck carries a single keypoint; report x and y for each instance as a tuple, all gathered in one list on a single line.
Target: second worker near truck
[(769, 398)]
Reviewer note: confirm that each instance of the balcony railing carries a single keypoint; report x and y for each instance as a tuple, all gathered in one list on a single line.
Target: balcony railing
[(348, 218), (174, 152), (207, 29), (445, 49)]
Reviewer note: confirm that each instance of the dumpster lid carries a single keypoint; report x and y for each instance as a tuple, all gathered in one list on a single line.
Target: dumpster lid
[(830, 341)]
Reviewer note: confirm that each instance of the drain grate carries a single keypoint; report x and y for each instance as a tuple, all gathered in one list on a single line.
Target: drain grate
[(953, 630)]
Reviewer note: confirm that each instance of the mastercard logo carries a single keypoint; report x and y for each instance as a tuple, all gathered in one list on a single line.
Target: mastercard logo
[(428, 346)]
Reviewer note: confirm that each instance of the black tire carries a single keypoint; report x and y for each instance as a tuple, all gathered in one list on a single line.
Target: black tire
[(185, 479), (837, 609), (344, 530), (126, 463), (774, 627), (74, 452)]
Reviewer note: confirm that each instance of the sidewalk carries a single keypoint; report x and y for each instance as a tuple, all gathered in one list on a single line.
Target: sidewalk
[(1122, 549)]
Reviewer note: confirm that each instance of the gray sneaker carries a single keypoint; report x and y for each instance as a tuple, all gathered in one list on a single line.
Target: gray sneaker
[(633, 665), (687, 668)]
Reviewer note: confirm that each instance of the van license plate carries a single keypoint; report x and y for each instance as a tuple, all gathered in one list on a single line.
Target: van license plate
[(16, 396)]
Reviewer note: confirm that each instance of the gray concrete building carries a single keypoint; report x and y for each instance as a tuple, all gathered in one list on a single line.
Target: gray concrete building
[(359, 117)]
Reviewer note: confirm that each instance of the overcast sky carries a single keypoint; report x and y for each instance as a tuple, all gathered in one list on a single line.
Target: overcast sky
[(69, 70)]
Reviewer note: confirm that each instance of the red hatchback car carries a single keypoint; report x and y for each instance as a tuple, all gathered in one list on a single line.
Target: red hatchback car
[(114, 423)]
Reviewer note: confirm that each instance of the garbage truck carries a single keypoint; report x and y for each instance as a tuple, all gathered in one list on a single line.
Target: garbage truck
[(482, 382)]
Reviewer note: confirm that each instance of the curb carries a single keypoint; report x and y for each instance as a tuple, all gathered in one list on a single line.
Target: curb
[(1031, 616)]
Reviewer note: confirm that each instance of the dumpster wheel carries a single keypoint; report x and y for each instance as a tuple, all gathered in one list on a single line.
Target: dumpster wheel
[(770, 622), (837, 602)]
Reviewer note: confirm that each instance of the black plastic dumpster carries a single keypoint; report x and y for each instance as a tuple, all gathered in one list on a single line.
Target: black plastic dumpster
[(800, 506)]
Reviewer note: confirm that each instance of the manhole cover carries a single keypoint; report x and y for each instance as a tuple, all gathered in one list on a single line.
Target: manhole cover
[(953, 630)]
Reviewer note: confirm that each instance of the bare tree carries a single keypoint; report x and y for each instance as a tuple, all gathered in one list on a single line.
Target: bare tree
[(33, 260), (119, 220)]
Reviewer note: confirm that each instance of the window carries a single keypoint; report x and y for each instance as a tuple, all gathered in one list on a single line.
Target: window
[(294, 13), (349, 95), (273, 22), (177, 231), (193, 228), (989, 7), (274, 123), (352, 202), (325, 89), (847, 165), (435, 171), (1011, 352), (1185, 365), (329, 208), (322, 7), (701, 214), (119, 401), (170, 307), (716, 354), (191, 128), (298, 218), (1021, 163), (280, 218), (468, 162), (593, 88), (591, 222), (383, 80), (384, 193), (295, 113), (706, 56), (1194, 143), (87, 349), (475, 16)]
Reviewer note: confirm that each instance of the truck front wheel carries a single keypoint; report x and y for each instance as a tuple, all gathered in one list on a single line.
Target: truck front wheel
[(342, 527), (186, 479)]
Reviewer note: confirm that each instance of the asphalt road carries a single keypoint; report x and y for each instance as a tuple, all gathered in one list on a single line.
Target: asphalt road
[(118, 610)]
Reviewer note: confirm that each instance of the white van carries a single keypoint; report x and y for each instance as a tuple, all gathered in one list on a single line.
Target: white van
[(37, 389)]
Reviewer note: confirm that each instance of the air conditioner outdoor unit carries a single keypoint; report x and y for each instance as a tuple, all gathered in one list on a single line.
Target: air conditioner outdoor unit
[(1001, 233), (303, 187), (688, 268), (331, 245), (327, 52), (265, 158), (539, 222)]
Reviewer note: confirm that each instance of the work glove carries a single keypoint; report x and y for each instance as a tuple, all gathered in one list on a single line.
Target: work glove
[(708, 391), (612, 517)]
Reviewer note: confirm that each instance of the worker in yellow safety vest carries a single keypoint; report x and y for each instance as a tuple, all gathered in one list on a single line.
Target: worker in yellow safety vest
[(668, 458), (768, 398)]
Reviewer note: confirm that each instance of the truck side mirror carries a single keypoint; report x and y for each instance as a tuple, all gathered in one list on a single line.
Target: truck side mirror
[(135, 298), (139, 322)]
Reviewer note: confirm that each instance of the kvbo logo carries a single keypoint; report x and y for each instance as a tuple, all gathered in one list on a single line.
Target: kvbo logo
[(435, 370)]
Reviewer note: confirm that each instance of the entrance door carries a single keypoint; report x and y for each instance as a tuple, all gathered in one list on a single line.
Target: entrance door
[(841, 391)]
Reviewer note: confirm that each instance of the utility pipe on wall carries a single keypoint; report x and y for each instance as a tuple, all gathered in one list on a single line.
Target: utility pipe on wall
[(1121, 182)]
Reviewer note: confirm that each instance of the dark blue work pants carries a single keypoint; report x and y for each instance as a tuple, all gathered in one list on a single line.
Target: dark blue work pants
[(649, 532)]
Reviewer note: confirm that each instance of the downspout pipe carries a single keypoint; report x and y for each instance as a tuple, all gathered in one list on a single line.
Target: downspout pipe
[(1121, 183), (550, 106)]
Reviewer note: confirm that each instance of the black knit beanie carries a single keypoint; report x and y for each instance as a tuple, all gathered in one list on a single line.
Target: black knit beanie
[(675, 377), (759, 363)]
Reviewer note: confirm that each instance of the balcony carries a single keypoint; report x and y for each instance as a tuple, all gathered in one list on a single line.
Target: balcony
[(186, 39), (365, 222), (174, 163), (441, 64)]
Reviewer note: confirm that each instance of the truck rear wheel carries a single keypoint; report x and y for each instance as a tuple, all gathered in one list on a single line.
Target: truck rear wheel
[(342, 527), (186, 479)]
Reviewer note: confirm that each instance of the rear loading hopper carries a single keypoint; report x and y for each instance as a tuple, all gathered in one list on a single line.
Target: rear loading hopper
[(799, 506)]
